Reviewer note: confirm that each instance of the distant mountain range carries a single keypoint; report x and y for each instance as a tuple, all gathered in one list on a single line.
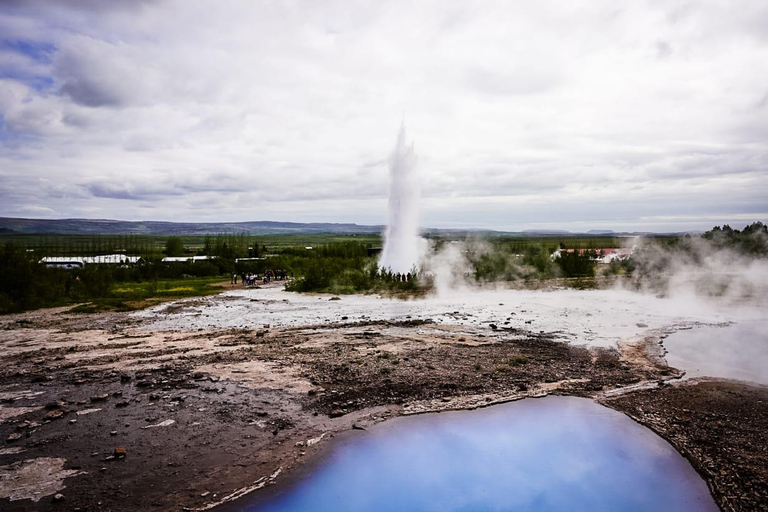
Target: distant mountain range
[(10, 226), (120, 227)]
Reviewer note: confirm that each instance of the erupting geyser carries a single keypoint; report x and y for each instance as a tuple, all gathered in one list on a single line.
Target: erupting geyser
[(401, 240)]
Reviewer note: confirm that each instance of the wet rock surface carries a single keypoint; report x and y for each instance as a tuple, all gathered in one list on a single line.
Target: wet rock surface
[(721, 427), (163, 420)]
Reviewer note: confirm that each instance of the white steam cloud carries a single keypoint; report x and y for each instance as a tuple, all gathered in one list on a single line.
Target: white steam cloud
[(402, 244), (701, 268)]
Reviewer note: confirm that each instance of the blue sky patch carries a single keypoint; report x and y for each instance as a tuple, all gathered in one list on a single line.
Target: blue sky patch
[(35, 50)]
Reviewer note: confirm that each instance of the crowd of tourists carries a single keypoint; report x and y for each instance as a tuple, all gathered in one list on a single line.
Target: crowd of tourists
[(402, 277), (250, 279)]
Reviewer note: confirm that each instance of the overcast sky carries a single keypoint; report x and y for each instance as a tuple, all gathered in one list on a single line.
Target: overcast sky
[(636, 115)]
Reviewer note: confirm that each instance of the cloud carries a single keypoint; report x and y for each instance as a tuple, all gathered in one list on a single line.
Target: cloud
[(591, 114)]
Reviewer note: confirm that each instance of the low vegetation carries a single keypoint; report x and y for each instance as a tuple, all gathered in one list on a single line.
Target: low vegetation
[(316, 263)]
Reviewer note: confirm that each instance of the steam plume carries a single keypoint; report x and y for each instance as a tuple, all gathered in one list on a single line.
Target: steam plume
[(402, 244)]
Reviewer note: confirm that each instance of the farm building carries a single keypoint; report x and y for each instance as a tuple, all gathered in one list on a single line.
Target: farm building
[(603, 255)]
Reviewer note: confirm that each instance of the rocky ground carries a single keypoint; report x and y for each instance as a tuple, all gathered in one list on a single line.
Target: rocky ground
[(720, 426), (100, 414)]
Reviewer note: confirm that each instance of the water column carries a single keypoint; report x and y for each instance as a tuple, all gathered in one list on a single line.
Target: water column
[(402, 243)]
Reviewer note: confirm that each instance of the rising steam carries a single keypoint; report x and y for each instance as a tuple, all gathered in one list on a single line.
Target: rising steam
[(402, 244), (701, 267)]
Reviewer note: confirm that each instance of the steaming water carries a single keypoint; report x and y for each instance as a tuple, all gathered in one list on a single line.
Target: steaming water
[(737, 351), (551, 454), (593, 317), (401, 240)]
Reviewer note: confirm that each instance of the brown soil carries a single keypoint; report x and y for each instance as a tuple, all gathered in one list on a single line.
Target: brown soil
[(205, 417)]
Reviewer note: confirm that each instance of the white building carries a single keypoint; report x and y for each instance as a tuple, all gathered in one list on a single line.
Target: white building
[(55, 262), (81, 261), (191, 259)]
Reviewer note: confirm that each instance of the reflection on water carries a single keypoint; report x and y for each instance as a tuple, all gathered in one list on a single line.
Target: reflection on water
[(551, 454), (738, 351)]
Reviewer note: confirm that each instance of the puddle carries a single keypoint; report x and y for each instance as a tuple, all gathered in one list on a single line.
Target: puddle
[(555, 453)]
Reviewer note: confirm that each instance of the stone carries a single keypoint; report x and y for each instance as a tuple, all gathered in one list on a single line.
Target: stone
[(13, 437), (99, 398), (54, 415), (58, 497), (120, 452)]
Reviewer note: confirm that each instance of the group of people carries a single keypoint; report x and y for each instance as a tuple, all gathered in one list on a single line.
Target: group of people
[(250, 279)]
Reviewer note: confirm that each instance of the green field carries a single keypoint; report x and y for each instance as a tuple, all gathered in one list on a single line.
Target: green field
[(152, 246)]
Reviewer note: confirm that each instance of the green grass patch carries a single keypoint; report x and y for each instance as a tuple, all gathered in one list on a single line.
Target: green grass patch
[(134, 296)]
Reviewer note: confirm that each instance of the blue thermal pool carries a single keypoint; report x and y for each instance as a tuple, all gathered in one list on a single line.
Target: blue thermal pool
[(550, 454)]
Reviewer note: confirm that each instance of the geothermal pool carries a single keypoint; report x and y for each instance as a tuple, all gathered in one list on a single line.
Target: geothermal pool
[(734, 351), (550, 454)]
